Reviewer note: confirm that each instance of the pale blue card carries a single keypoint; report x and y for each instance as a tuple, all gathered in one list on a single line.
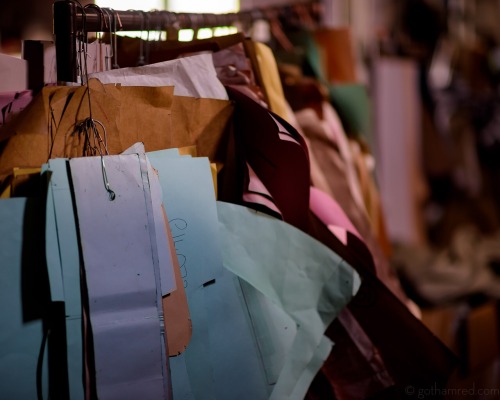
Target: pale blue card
[(231, 330), (168, 284), (59, 193), (21, 299), (189, 199), (121, 267)]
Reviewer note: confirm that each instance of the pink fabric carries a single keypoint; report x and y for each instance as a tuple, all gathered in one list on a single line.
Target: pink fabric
[(335, 132), (340, 233), (330, 212)]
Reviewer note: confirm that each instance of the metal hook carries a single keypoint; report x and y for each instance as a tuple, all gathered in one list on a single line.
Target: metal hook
[(100, 12), (116, 19), (109, 57), (107, 186), (95, 145)]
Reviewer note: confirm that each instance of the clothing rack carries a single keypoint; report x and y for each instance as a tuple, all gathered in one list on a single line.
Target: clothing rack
[(71, 21)]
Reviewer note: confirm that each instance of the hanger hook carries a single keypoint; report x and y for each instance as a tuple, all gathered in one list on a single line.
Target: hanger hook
[(102, 21)]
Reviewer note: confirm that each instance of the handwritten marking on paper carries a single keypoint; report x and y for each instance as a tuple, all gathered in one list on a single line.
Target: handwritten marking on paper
[(179, 232)]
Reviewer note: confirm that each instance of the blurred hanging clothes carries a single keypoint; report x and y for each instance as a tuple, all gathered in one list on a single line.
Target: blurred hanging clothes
[(398, 135), (351, 105), (466, 120), (332, 150), (270, 146)]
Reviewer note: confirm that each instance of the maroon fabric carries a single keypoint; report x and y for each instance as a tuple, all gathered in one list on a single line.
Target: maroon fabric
[(412, 355), (269, 156), (404, 352)]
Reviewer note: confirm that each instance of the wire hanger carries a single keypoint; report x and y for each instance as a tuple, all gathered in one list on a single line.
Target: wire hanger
[(95, 143)]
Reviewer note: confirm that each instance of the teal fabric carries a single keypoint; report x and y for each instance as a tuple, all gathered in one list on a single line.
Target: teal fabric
[(353, 105), (351, 101)]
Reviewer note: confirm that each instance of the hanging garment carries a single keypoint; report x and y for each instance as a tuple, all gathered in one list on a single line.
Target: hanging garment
[(402, 338), (307, 99), (270, 80), (287, 163), (235, 69), (363, 370), (264, 137), (336, 50), (120, 257), (334, 167), (366, 314), (350, 100), (399, 173), (456, 272)]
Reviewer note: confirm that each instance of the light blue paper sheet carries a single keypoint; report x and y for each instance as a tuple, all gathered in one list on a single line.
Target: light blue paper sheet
[(164, 257), (20, 337), (121, 267), (297, 273), (189, 199), (59, 200), (238, 335)]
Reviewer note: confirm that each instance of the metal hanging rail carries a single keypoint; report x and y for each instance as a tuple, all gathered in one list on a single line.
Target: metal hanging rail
[(71, 21)]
